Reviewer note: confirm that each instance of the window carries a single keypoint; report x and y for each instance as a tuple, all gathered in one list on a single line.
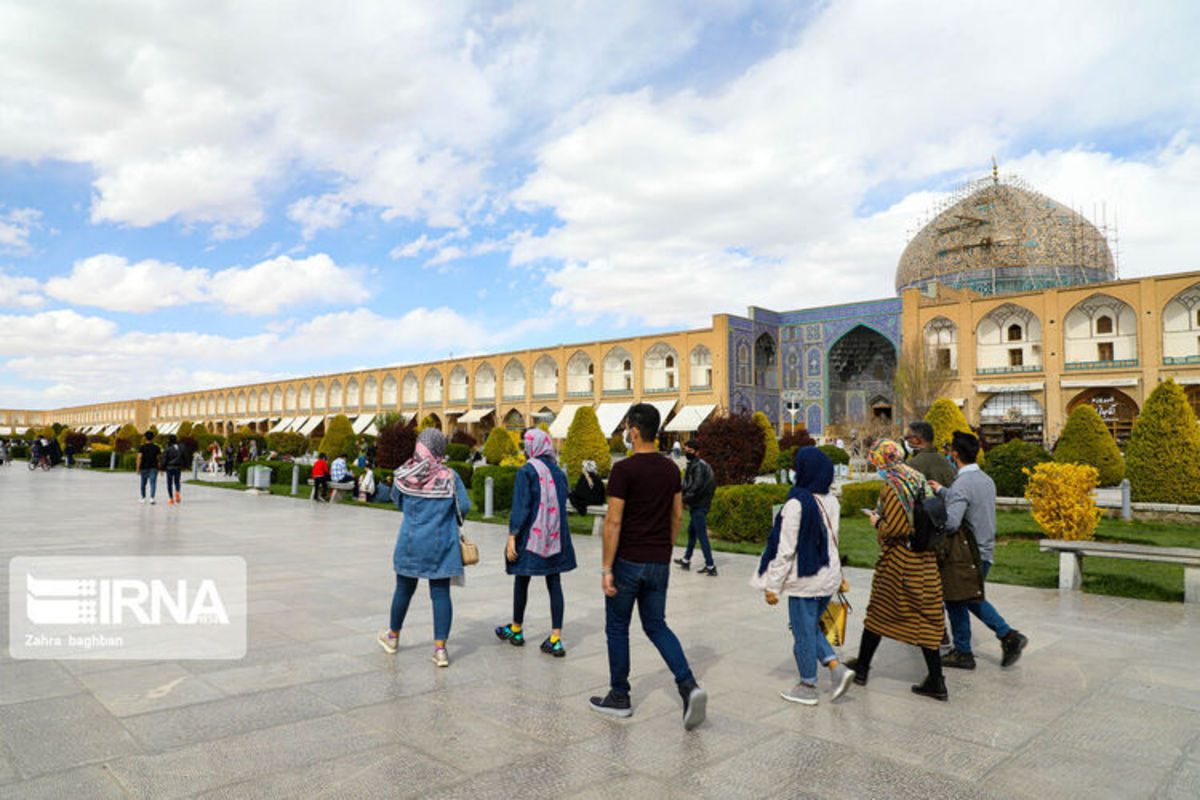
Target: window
[(1104, 325), (627, 368), (1105, 351), (1016, 357), (1014, 333), (943, 358)]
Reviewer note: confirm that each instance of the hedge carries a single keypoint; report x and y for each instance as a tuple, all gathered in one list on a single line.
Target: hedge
[(99, 459), (1007, 463), (457, 452), (1086, 440), (742, 512), (281, 471), (463, 469), (857, 496), (836, 454), (19, 451), (504, 478)]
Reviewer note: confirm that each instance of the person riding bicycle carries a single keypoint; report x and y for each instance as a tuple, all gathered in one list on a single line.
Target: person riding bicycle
[(36, 452)]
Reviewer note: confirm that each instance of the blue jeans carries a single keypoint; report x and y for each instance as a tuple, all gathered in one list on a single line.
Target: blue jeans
[(811, 646), (149, 476), (698, 529), (960, 620), (172, 482), (439, 593), (645, 583)]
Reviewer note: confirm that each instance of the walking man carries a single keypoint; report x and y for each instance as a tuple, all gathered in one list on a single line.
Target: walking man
[(147, 466), (971, 502), (699, 484), (645, 510), (174, 460), (925, 458)]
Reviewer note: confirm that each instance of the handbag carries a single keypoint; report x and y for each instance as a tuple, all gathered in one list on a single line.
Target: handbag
[(833, 621), (469, 550)]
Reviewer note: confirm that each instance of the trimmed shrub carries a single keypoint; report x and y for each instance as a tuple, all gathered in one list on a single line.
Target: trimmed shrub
[(860, 495), (128, 438), (185, 429), (946, 418), (77, 440), (499, 446), (428, 422), (796, 439), (1007, 464), (1086, 440), (463, 469), (733, 446), (190, 446), (457, 452), (585, 442), (127, 462), (1060, 496), (19, 451), (742, 512), (286, 444), (281, 471), (395, 445), (503, 480), (339, 438), (787, 458), (836, 454), (1161, 459), (100, 459), (462, 437), (770, 443), (616, 445)]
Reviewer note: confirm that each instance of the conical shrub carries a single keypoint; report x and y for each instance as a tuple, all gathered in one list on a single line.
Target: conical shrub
[(946, 418), (585, 442), (1163, 456), (1086, 440), (770, 458)]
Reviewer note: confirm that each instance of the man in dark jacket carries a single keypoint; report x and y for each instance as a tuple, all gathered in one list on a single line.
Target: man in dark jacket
[(699, 484), (174, 460), (925, 458)]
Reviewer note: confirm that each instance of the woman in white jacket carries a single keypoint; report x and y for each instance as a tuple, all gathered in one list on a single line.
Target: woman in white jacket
[(801, 562)]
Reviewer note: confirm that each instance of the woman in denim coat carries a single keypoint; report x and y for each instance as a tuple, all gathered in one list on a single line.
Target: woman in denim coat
[(427, 548)]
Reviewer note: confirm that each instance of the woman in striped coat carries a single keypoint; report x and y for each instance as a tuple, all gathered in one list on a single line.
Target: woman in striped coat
[(906, 591)]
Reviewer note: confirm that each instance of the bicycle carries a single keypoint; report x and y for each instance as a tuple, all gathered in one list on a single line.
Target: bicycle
[(42, 461)]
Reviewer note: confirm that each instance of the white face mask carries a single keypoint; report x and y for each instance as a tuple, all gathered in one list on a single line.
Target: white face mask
[(628, 441)]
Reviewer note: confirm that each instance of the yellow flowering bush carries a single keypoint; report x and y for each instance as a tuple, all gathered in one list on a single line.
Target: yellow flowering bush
[(1062, 501)]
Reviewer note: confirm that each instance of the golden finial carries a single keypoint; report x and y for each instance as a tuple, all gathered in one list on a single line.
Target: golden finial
[(995, 171)]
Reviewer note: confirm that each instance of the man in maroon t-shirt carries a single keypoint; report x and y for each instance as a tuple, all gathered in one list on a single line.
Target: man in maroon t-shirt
[(645, 508)]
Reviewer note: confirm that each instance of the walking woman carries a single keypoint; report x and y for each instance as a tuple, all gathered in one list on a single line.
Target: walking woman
[(801, 562), (539, 539), (906, 592), (427, 547)]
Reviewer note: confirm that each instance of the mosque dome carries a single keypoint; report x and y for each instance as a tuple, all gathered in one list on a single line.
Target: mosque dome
[(998, 236)]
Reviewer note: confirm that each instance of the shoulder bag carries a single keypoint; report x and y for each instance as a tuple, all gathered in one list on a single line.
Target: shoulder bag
[(470, 551)]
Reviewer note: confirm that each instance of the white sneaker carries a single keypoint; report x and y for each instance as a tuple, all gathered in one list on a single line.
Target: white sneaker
[(388, 641), (151, 501), (143, 501), (441, 657)]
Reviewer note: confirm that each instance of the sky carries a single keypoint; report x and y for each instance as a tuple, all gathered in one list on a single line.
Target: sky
[(199, 194)]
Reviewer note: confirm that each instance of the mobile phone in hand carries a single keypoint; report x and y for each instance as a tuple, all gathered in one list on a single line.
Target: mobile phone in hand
[(867, 511)]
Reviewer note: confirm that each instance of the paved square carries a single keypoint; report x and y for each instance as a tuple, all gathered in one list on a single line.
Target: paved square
[(1105, 702)]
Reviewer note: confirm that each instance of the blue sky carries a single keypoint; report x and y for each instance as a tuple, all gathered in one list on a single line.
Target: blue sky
[(208, 196)]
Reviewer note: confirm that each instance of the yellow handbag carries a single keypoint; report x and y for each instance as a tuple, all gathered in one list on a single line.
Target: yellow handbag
[(833, 621)]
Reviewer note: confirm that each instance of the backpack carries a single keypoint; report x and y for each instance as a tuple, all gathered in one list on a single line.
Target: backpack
[(929, 524)]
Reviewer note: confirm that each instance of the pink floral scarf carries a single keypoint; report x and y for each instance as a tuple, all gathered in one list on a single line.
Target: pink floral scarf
[(545, 536)]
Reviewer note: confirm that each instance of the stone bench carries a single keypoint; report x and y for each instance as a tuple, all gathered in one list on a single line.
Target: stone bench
[(1070, 561), (337, 490), (599, 513)]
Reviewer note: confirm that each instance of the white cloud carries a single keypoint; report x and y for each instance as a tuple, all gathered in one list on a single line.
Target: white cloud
[(317, 213), (17, 291), (16, 225), (112, 283)]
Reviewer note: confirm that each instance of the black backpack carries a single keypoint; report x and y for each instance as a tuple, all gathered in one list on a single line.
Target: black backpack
[(929, 524)]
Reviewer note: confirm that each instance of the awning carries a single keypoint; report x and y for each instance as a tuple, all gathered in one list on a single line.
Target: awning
[(690, 418), (111, 429), (295, 423), (562, 423), (282, 425), (456, 411), (362, 423), (475, 415), (1099, 383), (168, 428), (610, 416), (310, 425)]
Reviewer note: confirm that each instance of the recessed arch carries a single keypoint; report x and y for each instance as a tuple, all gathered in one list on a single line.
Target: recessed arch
[(660, 368), (545, 377), (581, 374), (618, 370), (485, 382), (513, 377)]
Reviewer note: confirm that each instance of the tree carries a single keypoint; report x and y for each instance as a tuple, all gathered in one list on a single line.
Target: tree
[(128, 438), (185, 429), (395, 444), (770, 457), (796, 438), (585, 442), (339, 438), (428, 422), (946, 418), (1161, 458), (286, 444), (918, 381), (1086, 440), (1006, 465), (733, 446), (499, 445)]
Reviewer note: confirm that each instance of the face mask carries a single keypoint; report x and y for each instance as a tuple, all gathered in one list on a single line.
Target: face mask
[(690, 456), (628, 441)]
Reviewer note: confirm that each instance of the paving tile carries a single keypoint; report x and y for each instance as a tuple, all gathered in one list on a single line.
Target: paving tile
[(1126, 728), (136, 690), (1182, 784), (62, 732), (89, 782), (21, 681), (1048, 769), (556, 773), (291, 672)]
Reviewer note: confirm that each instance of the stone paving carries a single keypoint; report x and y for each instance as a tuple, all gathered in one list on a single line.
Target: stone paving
[(1105, 702)]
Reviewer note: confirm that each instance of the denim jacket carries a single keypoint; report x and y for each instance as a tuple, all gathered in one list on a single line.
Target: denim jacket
[(427, 546), (526, 497)]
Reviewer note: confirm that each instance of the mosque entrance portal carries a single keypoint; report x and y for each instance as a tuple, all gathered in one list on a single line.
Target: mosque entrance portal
[(862, 366)]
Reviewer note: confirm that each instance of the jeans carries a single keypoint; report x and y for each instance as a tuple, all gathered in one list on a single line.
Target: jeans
[(645, 584), (439, 593), (960, 620), (811, 646), (698, 529), (521, 599), (149, 476), (172, 482), (321, 488)]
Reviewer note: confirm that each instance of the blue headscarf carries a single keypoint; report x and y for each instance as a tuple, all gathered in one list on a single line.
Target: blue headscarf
[(814, 475)]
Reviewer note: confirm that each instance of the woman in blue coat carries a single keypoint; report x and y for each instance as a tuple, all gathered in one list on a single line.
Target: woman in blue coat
[(539, 539), (427, 491)]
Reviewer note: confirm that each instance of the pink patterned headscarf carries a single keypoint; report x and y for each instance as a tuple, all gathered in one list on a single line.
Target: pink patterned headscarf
[(424, 475), (545, 535)]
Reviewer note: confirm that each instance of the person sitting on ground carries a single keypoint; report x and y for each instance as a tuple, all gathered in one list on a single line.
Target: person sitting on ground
[(320, 478), (366, 484), (589, 489), (383, 490)]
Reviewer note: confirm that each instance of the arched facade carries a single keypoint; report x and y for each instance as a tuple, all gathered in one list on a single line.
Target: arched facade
[(581, 375), (862, 367), (459, 384), (1008, 339), (941, 344), (390, 392), (618, 371), (513, 378), (485, 383), (1100, 330), (434, 387), (700, 365), (410, 390), (1181, 328), (320, 398), (661, 369), (337, 396), (305, 397), (545, 377)]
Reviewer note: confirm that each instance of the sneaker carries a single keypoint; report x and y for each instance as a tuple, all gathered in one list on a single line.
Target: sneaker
[(143, 500), (515, 638), (957, 659), (1012, 644), (710, 571), (801, 693), (389, 641), (615, 705), (842, 676), (170, 501), (927, 688), (695, 700), (555, 649), (860, 673), (151, 501), (441, 657), (683, 563), (177, 500)]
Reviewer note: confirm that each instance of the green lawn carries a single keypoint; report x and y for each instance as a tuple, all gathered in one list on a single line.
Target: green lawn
[(1018, 560)]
